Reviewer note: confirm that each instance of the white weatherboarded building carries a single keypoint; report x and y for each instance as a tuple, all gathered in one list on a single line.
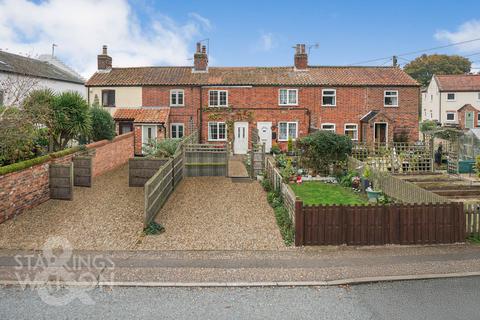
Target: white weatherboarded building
[(19, 75)]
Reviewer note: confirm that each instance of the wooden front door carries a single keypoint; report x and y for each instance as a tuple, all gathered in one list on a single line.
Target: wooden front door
[(381, 133)]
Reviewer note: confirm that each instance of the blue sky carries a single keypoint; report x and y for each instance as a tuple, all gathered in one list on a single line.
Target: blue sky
[(241, 33), (347, 31)]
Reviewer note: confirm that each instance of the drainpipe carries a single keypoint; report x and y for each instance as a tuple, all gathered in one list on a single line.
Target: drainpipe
[(200, 121), (440, 109)]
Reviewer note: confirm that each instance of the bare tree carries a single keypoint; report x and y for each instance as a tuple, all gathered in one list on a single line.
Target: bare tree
[(15, 89)]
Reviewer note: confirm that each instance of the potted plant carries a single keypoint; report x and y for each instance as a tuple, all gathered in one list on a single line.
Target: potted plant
[(373, 195), (290, 151), (367, 173), (275, 150)]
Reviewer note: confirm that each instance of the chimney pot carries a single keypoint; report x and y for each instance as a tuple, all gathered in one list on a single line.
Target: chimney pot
[(200, 59), (104, 61), (301, 57)]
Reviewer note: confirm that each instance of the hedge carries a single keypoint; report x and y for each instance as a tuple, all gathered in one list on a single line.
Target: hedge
[(39, 160)]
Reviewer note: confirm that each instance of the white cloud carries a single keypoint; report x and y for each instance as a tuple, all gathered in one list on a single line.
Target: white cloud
[(467, 31), (266, 42), (80, 28)]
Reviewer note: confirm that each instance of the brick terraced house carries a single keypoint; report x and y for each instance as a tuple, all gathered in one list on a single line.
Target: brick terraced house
[(370, 104)]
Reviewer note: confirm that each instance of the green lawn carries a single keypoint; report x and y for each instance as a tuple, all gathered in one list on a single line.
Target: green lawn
[(314, 192)]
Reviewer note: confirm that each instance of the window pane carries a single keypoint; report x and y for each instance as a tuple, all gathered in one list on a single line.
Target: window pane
[(283, 96), (180, 98), (213, 98), (223, 98), (292, 130), (451, 96), (221, 131), (283, 131), (174, 98), (292, 96), (174, 131), (180, 131)]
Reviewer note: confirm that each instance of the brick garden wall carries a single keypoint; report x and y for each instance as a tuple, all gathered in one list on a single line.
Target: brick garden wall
[(110, 155), (25, 189)]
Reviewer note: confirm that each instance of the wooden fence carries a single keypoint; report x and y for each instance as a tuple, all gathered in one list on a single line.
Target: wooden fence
[(379, 224), (82, 171), (159, 187), (397, 157), (140, 170), (396, 188), (472, 212), (288, 196), (206, 160), (61, 181)]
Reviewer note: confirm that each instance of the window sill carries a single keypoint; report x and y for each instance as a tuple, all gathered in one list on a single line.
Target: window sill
[(177, 105), (217, 106), (390, 106), (329, 105), (217, 140), (288, 105)]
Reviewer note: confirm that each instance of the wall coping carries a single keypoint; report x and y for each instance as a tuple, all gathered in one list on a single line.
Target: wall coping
[(101, 143)]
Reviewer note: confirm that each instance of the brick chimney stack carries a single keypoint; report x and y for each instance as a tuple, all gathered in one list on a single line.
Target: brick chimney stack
[(301, 57), (200, 58), (104, 61)]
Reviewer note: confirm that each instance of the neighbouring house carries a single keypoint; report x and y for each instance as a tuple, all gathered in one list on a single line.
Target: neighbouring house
[(19, 75), (370, 104), (453, 100)]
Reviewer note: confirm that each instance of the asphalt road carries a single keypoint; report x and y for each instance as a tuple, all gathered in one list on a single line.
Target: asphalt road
[(427, 299)]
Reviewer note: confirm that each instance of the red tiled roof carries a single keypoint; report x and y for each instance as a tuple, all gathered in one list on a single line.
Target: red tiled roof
[(143, 115), (458, 82), (314, 75), (125, 114)]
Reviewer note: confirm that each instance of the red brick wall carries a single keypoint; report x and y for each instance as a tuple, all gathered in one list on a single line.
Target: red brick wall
[(110, 155), (461, 116), (28, 188), (352, 103)]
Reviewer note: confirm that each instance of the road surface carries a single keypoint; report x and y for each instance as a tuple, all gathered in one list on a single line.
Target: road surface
[(426, 299)]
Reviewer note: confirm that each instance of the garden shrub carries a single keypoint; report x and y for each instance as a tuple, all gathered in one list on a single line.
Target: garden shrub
[(323, 148), (275, 149), (103, 126), (281, 161), (346, 180), (161, 148), (282, 217), (266, 184), (153, 228)]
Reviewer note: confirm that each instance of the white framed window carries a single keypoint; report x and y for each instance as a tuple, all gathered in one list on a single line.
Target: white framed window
[(217, 131), (451, 115), (451, 96), (329, 97), (478, 96), (351, 130), (478, 119), (328, 127), (177, 98), (287, 130), (177, 130), (390, 98), (288, 97), (218, 98)]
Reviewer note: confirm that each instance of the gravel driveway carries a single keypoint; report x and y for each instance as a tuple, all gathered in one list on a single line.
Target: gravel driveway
[(203, 213), (214, 213), (107, 216)]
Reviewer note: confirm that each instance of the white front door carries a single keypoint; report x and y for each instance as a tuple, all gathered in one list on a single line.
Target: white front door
[(240, 143), (265, 134), (148, 133)]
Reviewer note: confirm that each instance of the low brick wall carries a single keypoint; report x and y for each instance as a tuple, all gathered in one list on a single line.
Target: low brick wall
[(25, 189), (110, 155)]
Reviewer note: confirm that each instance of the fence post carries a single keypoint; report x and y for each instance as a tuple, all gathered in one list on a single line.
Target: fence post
[(299, 223)]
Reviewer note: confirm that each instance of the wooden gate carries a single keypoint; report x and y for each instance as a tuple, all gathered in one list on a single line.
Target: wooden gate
[(82, 171), (61, 181), (206, 160)]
